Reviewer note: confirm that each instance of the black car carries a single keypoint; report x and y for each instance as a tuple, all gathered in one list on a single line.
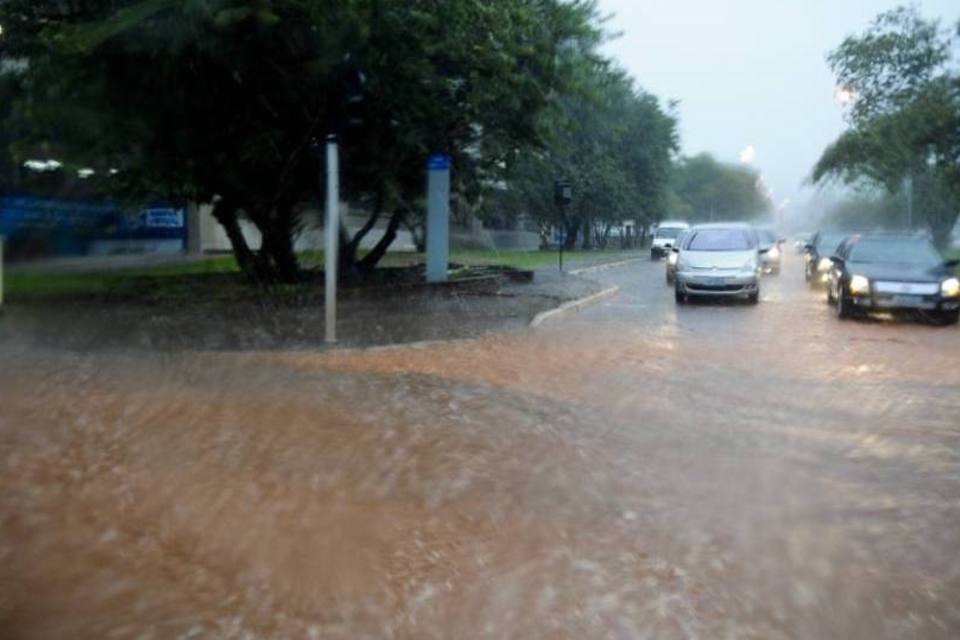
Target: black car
[(893, 272), (816, 256)]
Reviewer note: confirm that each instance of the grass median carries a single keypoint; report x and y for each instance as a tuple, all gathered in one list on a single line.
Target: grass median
[(216, 278)]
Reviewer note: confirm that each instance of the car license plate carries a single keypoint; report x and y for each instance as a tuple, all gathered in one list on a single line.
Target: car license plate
[(912, 302)]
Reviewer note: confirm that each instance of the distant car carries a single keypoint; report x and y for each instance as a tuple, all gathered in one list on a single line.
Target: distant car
[(672, 257), (893, 272), (665, 237), (816, 256), (800, 242), (719, 261), (770, 243)]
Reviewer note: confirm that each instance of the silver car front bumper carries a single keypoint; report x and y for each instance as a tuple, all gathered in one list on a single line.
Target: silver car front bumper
[(695, 284)]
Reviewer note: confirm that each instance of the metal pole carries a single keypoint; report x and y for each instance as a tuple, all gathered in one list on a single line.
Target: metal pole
[(332, 240)]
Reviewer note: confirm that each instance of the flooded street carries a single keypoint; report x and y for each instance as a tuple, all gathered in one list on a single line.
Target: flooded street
[(637, 470)]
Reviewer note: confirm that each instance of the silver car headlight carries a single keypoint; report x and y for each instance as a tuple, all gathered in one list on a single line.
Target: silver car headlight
[(673, 257), (773, 253), (824, 264)]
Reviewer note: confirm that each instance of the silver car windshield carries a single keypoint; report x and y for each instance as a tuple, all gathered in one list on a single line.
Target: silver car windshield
[(720, 240)]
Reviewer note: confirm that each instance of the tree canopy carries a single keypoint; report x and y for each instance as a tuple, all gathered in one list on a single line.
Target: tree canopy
[(611, 142), (904, 121), (223, 100), (704, 189)]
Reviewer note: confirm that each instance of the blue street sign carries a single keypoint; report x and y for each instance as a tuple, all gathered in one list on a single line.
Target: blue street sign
[(438, 162)]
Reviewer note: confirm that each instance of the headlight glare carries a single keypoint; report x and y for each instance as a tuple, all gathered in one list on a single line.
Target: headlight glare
[(950, 287), (859, 284), (824, 264), (672, 258)]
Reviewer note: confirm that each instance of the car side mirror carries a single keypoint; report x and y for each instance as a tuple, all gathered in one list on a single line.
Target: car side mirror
[(676, 249), (837, 261), (763, 251), (952, 264), (809, 247)]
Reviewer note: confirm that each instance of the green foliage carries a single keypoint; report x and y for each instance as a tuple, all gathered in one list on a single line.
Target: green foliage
[(705, 189), (905, 118), (611, 142), (865, 210), (222, 100)]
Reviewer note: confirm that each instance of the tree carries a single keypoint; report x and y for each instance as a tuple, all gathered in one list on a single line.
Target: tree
[(222, 101), (611, 142), (705, 189), (905, 118)]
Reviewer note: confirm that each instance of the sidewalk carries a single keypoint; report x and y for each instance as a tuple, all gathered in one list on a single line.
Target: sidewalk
[(365, 317)]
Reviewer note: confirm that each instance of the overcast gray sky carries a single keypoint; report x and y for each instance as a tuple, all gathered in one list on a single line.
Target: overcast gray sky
[(748, 72)]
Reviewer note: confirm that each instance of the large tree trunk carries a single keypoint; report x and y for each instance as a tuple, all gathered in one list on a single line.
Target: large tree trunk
[(418, 233), (571, 228), (225, 212), (370, 260), (350, 246), (587, 242)]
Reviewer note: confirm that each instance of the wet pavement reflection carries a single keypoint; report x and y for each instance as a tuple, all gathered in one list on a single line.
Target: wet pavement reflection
[(638, 470)]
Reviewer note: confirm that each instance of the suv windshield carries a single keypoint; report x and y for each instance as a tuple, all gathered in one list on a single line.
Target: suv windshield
[(895, 251), (670, 233), (827, 243), (721, 240)]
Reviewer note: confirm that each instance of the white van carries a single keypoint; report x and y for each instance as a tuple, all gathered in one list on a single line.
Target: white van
[(665, 236)]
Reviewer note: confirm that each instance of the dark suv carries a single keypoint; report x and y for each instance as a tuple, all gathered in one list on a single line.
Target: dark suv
[(893, 272)]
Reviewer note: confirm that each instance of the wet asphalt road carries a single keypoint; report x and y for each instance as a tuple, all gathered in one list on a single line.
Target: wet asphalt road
[(636, 471)]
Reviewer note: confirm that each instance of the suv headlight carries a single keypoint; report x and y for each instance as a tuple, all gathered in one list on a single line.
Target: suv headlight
[(950, 287), (673, 257), (824, 264), (773, 253), (859, 284)]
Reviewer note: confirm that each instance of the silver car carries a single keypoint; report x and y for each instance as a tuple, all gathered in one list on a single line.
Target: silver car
[(719, 261)]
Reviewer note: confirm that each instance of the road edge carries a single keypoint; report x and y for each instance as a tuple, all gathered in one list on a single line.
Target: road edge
[(573, 305), (606, 265)]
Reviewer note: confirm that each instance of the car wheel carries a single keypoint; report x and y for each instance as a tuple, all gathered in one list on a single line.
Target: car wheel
[(947, 318), (669, 280), (830, 298), (679, 296), (654, 257), (754, 297), (843, 306)]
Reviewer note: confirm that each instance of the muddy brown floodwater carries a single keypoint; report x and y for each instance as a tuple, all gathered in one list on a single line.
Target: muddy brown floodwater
[(712, 471)]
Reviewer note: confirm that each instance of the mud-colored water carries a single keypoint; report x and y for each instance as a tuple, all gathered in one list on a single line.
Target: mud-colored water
[(637, 471)]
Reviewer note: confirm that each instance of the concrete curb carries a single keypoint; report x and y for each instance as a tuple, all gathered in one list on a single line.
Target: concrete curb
[(606, 265), (574, 305)]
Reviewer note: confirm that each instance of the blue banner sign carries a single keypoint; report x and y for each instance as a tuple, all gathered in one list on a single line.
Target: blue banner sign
[(72, 225), (438, 162)]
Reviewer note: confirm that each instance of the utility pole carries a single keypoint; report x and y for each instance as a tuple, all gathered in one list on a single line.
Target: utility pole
[(332, 227)]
